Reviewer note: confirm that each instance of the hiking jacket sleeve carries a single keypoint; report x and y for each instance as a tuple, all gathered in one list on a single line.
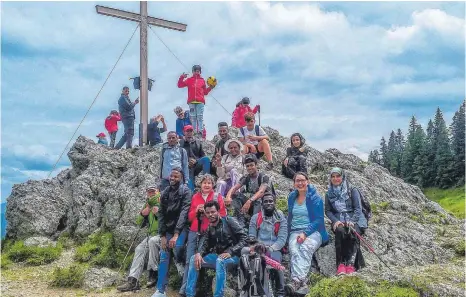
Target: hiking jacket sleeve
[(185, 165), (329, 211), (252, 232), (288, 152), (238, 233), (356, 201), (179, 127), (282, 235), (117, 117), (161, 213), (186, 198), (182, 82), (316, 214), (256, 109), (126, 104), (206, 89)]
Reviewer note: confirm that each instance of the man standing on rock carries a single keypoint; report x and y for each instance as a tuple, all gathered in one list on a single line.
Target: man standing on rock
[(172, 156), (219, 249), (173, 215), (220, 145), (128, 116), (248, 203), (150, 244)]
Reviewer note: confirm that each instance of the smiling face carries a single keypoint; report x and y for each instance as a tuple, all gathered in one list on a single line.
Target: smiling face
[(296, 141), (212, 214), (301, 182), (251, 168), (233, 148), (180, 115), (336, 179), (175, 178), (206, 186), (250, 123), (223, 132)]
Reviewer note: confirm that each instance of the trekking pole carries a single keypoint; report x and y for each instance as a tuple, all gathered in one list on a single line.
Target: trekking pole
[(368, 246), (134, 239)]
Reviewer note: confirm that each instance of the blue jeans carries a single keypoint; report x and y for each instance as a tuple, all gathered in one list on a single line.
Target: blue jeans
[(196, 115), (203, 164), (190, 251), (127, 138), (211, 261), (165, 259)]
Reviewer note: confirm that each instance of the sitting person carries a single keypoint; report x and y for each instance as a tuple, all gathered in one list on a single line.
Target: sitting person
[(173, 214), (343, 208), (230, 167), (102, 138), (149, 245), (219, 249), (220, 145), (306, 230), (248, 202), (197, 160), (153, 131), (197, 220), (242, 107), (181, 121), (295, 160), (255, 140), (269, 227)]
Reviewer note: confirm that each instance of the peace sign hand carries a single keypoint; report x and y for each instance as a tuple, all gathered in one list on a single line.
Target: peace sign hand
[(218, 157)]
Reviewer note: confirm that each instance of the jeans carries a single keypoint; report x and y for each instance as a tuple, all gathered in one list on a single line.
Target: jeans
[(301, 254), (238, 200), (190, 251), (202, 165), (128, 124), (112, 138), (153, 247), (196, 114), (165, 259), (211, 261)]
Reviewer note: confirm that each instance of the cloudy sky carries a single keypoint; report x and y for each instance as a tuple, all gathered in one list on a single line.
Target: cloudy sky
[(343, 74)]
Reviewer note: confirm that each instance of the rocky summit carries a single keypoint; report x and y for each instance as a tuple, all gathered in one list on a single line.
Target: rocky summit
[(105, 189)]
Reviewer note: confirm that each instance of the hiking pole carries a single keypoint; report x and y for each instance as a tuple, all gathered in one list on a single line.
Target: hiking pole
[(368, 246), (134, 239)]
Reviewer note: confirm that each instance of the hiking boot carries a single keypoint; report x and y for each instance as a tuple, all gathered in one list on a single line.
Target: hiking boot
[(180, 268), (152, 280), (158, 294), (131, 284), (292, 287), (341, 269), (350, 269), (269, 166)]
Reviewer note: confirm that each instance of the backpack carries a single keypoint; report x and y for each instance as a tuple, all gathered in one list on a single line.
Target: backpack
[(256, 128), (260, 219), (365, 205), (259, 179), (253, 277)]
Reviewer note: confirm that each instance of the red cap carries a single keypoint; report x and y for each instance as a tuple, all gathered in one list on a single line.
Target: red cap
[(188, 127), (101, 134)]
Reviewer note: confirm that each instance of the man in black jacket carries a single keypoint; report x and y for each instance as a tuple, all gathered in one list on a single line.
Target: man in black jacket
[(219, 248), (126, 108), (220, 145), (198, 161), (173, 213)]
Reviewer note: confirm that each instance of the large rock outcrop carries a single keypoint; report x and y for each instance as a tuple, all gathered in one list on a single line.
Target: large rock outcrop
[(105, 189)]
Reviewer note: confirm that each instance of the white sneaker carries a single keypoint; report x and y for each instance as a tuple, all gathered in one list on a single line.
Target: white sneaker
[(180, 268), (158, 294)]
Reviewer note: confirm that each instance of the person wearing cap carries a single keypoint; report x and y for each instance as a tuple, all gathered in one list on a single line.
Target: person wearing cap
[(295, 160), (181, 121), (150, 244), (153, 131), (128, 116), (197, 90), (171, 156), (102, 139), (255, 140), (230, 167), (198, 222), (197, 160), (242, 107), (111, 124), (255, 185), (173, 214), (343, 208), (223, 136)]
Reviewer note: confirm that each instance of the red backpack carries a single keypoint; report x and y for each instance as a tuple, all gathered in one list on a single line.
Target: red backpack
[(259, 221)]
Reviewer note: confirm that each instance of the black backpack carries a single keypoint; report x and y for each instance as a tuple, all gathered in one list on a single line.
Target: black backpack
[(365, 205), (253, 277), (259, 180)]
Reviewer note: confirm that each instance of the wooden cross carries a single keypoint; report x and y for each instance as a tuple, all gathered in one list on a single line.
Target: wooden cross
[(144, 20)]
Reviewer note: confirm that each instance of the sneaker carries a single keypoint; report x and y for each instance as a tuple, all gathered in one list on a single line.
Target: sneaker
[(341, 269), (158, 294), (350, 269), (269, 166), (180, 268), (131, 285), (292, 287)]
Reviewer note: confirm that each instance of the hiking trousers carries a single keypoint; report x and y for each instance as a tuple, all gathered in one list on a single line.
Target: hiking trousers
[(347, 247), (149, 246), (237, 202), (301, 254), (112, 138), (128, 124)]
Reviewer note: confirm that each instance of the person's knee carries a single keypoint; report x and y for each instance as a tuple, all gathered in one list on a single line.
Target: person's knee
[(245, 250), (154, 240), (340, 230)]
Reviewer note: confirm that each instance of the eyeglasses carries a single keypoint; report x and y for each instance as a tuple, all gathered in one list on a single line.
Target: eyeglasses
[(300, 181)]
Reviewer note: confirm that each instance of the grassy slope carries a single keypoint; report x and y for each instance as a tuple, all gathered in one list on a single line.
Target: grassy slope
[(450, 199)]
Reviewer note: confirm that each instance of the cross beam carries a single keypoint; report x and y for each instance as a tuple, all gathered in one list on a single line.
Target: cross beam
[(144, 20)]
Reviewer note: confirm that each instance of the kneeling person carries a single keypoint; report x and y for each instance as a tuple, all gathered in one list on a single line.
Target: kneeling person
[(218, 249)]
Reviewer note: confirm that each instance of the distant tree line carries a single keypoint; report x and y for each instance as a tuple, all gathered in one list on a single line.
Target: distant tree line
[(431, 158)]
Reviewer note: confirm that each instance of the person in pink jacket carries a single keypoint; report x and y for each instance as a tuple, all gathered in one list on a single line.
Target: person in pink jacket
[(197, 90), (242, 108), (111, 124)]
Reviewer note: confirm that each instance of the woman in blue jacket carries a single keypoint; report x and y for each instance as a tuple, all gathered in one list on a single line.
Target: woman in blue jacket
[(306, 229)]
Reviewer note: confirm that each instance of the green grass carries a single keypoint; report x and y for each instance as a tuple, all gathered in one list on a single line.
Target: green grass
[(31, 255), (68, 277), (450, 199)]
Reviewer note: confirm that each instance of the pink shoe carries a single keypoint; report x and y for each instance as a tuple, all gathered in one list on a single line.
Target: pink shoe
[(341, 269), (350, 269)]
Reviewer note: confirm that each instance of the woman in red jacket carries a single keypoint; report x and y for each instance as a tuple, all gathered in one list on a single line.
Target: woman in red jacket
[(197, 89), (196, 216), (237, 119)]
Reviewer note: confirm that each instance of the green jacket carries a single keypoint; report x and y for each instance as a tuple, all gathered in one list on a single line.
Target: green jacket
[(153, 222)]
